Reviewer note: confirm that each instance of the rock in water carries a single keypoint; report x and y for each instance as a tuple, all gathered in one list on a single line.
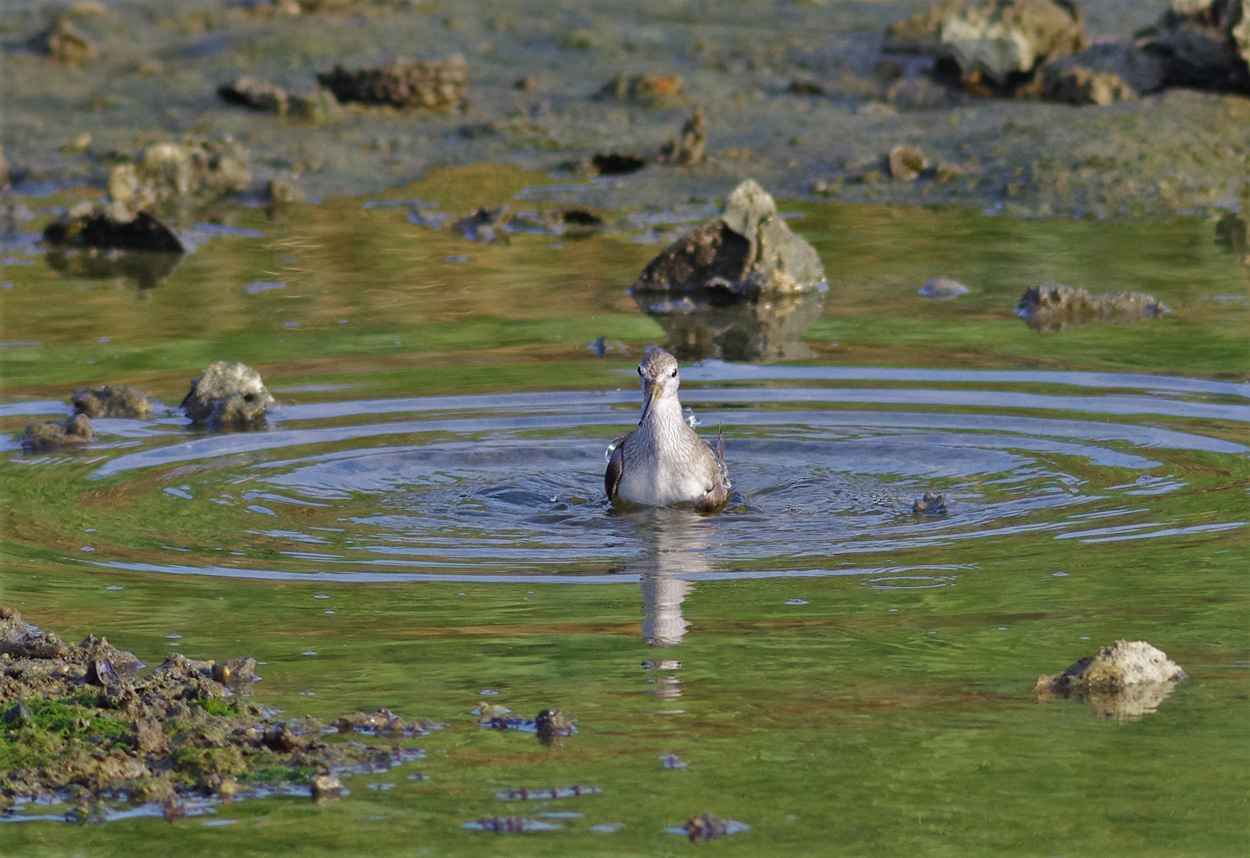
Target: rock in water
[(113, 227), (747, 251), (57, 433), (227, 394), (1123, 681), (1053, 307), (109, 401)]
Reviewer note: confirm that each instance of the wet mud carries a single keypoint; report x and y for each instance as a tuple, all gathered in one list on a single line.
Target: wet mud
[(803, 97)]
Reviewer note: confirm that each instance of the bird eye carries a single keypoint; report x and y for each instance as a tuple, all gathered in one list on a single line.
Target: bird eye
[(640, 370), (674, 372)]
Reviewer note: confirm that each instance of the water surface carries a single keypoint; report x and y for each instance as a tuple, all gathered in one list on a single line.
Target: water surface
[(421, 526)]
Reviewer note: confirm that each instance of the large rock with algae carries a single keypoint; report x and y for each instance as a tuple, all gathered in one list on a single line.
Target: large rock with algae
[(746, 251)]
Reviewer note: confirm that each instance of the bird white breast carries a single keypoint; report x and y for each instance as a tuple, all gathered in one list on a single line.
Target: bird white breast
[(646, 486)]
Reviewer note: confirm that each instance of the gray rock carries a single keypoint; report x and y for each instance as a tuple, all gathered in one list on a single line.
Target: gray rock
[(1205, 43), (747, 251), (227, 394), (921, 93), (1006, 38), (995, 46), (1103, 74), (109, 401)]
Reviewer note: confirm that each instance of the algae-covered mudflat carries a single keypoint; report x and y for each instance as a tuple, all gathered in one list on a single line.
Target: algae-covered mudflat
[(934, 501)]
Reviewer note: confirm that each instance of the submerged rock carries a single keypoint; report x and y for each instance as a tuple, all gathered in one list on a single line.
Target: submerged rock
[(553, 724), (929, 504), (707, 827), (942, 289), (510, 825), (113, 227), (1053, 307), (227, 394), (70, 432), (404, 83), (1123, 681), (746, 251), (110, 401), (326, 786), (383, 722)]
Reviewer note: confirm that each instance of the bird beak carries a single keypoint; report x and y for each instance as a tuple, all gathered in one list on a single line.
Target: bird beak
[(650, 395)]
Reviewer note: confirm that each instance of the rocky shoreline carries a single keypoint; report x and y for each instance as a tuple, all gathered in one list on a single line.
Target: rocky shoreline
[(809, 99)]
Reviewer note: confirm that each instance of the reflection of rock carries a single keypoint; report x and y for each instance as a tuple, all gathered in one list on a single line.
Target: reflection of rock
[(705, 326), (1123, 681), (1232, 233), (69, 432), (110, 401), (227, 394), (746, 251), (1055, 307), (404, 83), (146, 269)]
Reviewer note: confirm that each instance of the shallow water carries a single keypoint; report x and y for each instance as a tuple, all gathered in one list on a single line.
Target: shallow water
[(836, 672)]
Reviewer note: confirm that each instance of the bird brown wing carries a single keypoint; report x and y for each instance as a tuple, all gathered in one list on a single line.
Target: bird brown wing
[(616, 465)]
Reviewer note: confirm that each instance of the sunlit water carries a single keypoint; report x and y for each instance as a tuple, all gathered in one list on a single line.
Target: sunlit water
[(835, 668)]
